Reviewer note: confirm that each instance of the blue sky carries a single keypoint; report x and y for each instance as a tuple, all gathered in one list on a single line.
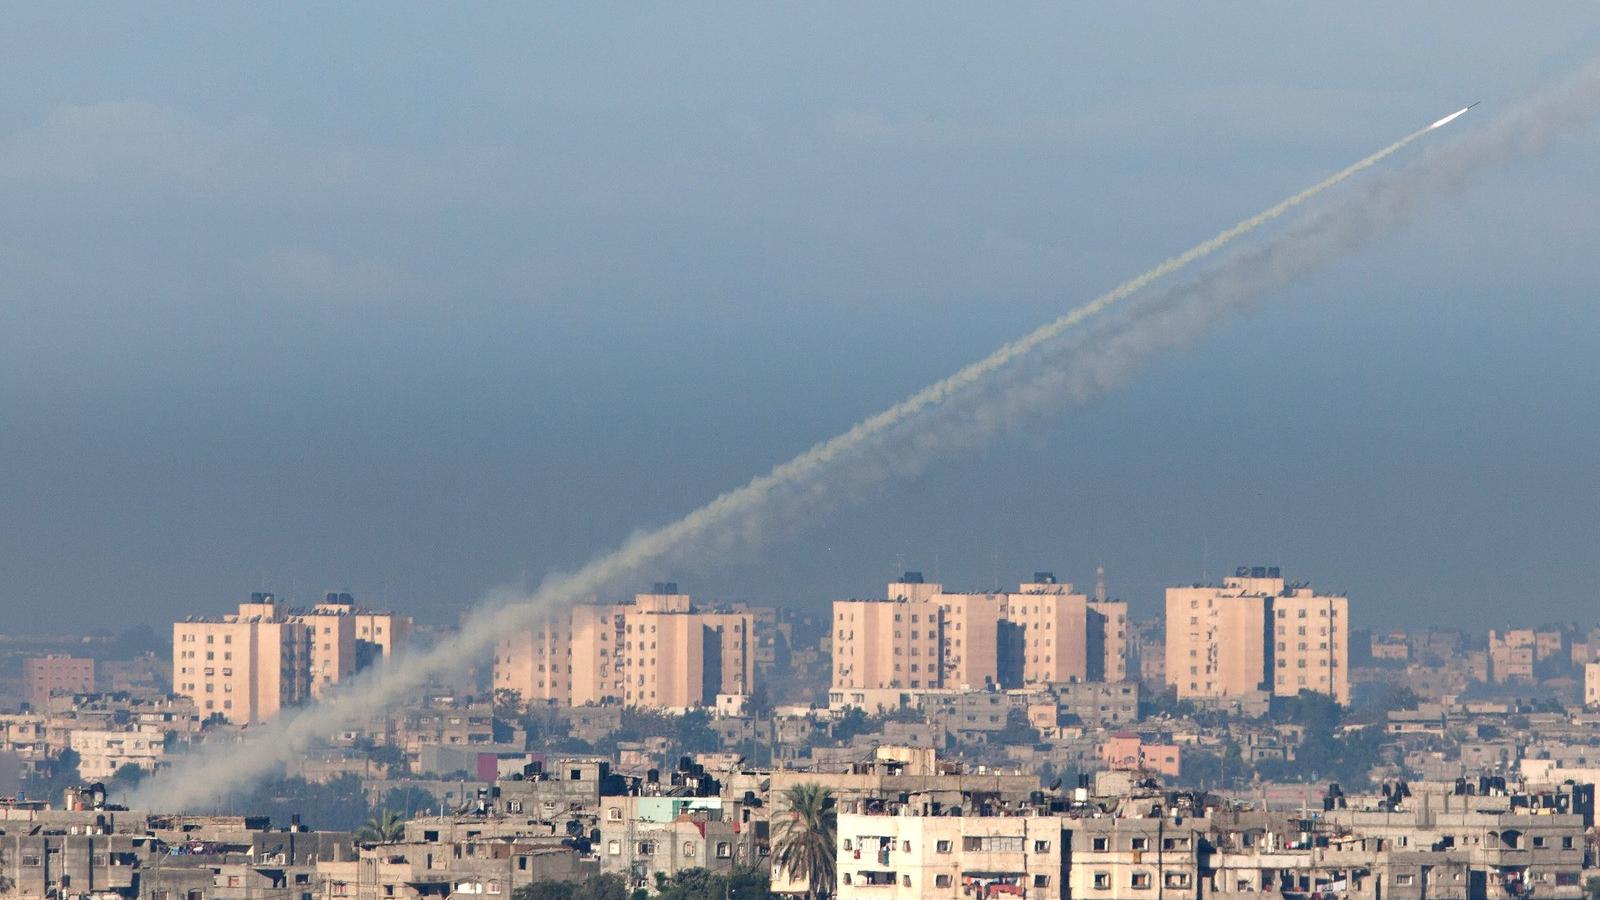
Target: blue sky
[(416, 301)]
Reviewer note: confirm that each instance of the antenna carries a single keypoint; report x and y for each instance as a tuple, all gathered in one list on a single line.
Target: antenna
[(1100, 584)]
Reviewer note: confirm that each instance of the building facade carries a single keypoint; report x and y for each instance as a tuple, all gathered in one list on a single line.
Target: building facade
[(656, 652), (1255, 634)]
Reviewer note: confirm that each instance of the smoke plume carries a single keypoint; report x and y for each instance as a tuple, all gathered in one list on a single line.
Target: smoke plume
[(1055, 365)]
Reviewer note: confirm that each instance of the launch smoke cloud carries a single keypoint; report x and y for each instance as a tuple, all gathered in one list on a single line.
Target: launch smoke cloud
[(1050, 366)]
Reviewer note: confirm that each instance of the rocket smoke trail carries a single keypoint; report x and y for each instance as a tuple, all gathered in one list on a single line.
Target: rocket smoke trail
[(981, 399)]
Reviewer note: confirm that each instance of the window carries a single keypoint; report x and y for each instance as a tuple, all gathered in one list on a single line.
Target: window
[(1405, 878), (614, 848), (689, 849), (1102, 881), (940, 847), (941, 881), (1040, 881), (1099, 844), (1140, 880), (1177, 879), (724, 850), (1141, 843)]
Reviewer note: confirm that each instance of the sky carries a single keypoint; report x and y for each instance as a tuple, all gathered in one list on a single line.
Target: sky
[(416, 301)]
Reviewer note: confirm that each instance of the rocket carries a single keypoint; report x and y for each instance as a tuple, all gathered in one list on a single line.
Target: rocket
[(1450, 118)]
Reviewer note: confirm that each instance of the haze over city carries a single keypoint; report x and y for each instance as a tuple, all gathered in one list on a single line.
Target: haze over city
[(416, 303), (651, 452)]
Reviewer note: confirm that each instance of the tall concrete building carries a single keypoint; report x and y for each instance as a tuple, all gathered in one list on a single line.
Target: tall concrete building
[(890, 643), (57, 673), (656, 652), (1256, 634), (248, 665), (921, 636)]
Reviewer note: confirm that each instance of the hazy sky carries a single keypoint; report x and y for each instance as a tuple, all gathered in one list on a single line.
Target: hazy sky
[(419, 300)]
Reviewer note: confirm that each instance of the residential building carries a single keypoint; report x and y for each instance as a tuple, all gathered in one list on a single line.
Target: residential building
[(656, 652), (1255, 634), (1512, 654), (57, 673), (924, 637), (243, 667), (102, 752), (248, 665)]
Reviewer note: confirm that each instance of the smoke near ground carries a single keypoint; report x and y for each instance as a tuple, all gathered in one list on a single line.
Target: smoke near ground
[(1058, 364)]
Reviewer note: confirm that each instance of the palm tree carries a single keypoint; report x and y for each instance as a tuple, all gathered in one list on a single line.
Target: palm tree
[(808, 828), (384, 826)]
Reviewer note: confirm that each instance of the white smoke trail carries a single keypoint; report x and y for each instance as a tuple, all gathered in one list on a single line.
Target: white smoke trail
[(897, 440)]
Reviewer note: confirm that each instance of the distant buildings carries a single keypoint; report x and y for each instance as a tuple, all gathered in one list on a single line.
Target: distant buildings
[(657, 652), (1512, 654), (921, 637), (1591, 685), (57, 673), (248, 665), (1255, 634)]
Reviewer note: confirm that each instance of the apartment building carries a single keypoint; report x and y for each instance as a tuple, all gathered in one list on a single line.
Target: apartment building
[(897, 644), (57, 673), (1256, 634), (924, 637), (246, 666), (1512, 654), (656, 652), (101, 752), (1311, 644), (1591, 685)]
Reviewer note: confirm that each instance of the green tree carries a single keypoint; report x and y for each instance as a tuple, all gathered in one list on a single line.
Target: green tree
[(702, 884), (1019, 732), (383, 827), (595, 887), (805, 833), (409, 801), (391, 756), (1591, 888), (53, 776), (128, 776)]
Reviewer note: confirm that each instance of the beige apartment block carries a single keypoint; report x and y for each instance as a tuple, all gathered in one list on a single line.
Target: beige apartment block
[(57, 673), (911, 856), (1255, 633), (975, 631), (333, 648), (1311, 635), (102, 752), (1053, 638), (922, 637), (1591, 685), (887, 644), (248, 665), (1109, 619), (244, 667), (656, 652)]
